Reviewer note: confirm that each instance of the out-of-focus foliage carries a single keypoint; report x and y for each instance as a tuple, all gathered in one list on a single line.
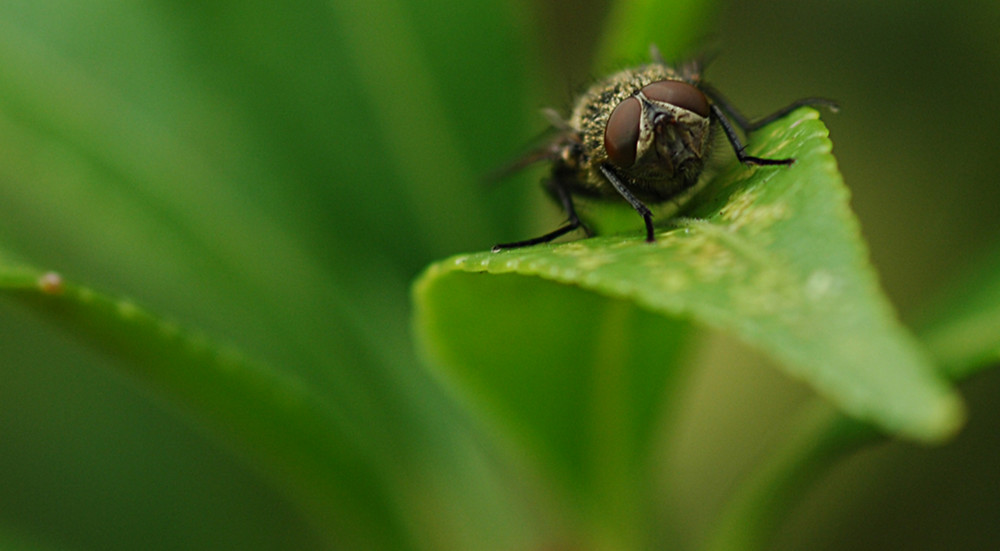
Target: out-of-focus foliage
[(274, 175)]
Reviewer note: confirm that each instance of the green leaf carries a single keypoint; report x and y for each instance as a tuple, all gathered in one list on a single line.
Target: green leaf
[(12, 538), (963, 333), (310, 449), (671, 25), (575, 378), (818, 438), (773, 256), (206, 162)]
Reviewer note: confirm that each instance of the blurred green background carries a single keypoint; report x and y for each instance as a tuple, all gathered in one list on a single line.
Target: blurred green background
[(275, 174)]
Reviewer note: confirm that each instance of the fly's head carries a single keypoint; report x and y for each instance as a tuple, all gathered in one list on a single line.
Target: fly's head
[(660, 133)]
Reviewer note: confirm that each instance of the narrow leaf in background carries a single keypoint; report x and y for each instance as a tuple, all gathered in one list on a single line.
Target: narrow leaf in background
[(962, 328)]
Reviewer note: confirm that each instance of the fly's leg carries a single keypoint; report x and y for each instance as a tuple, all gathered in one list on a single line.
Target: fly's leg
[(572, 222), (639, 207), (724, 112), (738, 147)]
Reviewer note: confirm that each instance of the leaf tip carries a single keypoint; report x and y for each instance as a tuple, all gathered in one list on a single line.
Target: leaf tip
[(946, 418)]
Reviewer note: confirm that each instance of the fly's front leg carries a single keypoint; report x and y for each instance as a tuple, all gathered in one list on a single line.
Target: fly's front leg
[(749, 126), (643, 210), (573, 222), (724, 112), (738, 147)]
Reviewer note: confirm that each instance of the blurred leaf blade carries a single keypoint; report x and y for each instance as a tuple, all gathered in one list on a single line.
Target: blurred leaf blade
[(14, 539), (818, 438), (320, 458), (120, 171), (633, 25), (962, 334), (402, 58), (775, 257), (962, 330), (196, 157), (581, 393)]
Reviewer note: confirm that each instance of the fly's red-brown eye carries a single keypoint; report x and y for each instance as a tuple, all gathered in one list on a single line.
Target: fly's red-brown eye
[(621, 135), (678, 93)]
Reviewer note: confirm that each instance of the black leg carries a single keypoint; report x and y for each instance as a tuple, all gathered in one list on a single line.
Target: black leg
[(573, 221), (749, 126), (738, 147), (830, 104), (642, 209)]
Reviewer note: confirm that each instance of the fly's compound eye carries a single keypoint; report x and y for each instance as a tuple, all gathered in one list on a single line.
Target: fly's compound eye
[(677, 93), (621, 135)]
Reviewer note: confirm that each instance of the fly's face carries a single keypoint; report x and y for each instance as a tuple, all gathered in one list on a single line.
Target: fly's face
[(659, 134), (651, 125)]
